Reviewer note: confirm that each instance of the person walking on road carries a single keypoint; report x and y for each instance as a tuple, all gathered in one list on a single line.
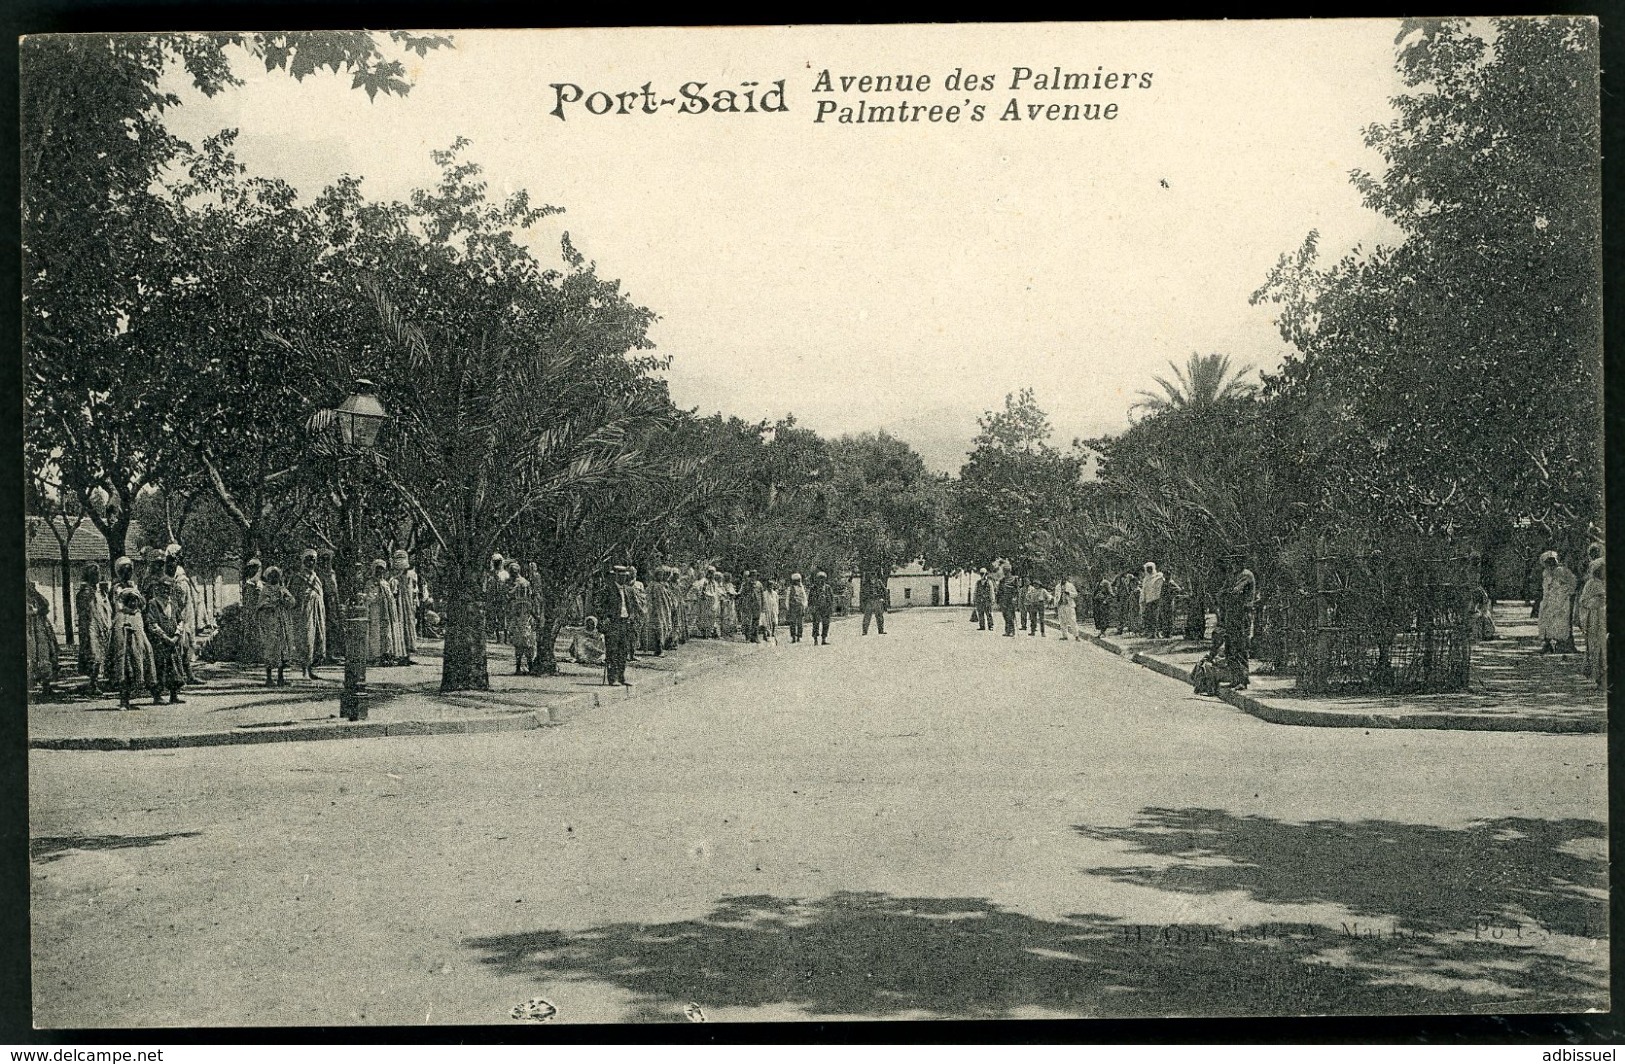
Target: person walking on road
[(1066, 608), (1009, 595), (749, 606), (1035, 600), (770, 611), (796, 603), (873, 590), (821, 604), (1556, 598), (984, 602)]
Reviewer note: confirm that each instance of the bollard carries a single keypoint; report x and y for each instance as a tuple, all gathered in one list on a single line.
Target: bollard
[(352, 701)]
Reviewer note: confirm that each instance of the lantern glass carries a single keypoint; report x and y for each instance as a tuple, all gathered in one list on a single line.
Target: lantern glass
[(361, 417)]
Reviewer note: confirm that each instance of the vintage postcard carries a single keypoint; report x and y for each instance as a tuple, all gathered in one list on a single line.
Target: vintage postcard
[(522, 525)]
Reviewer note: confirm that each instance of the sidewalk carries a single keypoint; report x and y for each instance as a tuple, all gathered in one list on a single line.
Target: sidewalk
[(234, 706), (1514, 688)]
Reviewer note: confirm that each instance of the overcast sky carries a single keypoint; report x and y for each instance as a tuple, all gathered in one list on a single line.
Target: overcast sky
[(892, 276)]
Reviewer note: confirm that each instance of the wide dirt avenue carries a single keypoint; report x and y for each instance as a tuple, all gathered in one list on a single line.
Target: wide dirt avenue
[(936, 823)]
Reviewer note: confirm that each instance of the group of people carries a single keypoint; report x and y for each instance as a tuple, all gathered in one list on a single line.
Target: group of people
[(629, 616), (1024, 600), (137, 632), (1560, 607), (295, 620), (1140, 601)]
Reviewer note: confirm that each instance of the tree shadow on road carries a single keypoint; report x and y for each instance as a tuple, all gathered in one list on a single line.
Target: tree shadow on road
[(868, 954), (1507, 871), (43, 850)]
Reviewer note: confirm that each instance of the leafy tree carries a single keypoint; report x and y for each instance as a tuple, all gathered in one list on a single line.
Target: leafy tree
[(1451, 383), (100, 240), (512, 385), (1011, 488), (890, 509)]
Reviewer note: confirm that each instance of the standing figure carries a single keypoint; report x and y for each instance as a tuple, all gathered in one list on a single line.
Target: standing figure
[(1151, 601), (662, 612), (710, 602), (1483, 615), (1556, 598), (769, 623), (616, 617), (730, 606), (983, 598), (872, 595), (688, 604), (1035, 600), (306, 588), (1127, 606), (1105, 591), (1235, 628), (523, 620), (1594, 622), (821, 605), (383, 617), (40, 639), (163, 619), (407, 597), (1066, 608), (796, 605), (179, 590), (496, 580), (95, 612), (332, 609), (253, 587), (130, 662), (281, 624), (749, 605), (1008, 596), (640, 612)]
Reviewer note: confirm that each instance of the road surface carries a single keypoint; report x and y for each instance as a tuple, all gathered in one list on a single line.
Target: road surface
[(934, 823)]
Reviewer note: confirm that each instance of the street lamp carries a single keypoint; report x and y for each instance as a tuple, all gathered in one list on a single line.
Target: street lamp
[(360, 417), (357, 422)]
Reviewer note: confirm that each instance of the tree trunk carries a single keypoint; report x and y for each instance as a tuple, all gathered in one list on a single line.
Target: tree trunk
[(464, 667), (67, 593)]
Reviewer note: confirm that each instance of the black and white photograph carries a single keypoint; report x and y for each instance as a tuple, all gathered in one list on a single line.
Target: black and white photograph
[(522, 525)]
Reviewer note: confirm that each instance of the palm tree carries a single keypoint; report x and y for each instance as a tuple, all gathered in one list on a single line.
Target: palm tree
[(1203, 381)]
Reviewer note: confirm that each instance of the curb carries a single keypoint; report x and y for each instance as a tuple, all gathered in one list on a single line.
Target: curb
[(1319, 718), (605, 695), (526, 721)]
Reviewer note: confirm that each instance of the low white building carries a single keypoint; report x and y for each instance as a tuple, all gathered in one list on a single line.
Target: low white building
[(914, 585)]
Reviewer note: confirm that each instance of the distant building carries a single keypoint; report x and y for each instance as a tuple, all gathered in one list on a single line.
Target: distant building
[(912, 585)]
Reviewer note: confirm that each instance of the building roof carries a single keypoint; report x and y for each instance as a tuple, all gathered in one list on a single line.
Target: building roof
[(85, 543)]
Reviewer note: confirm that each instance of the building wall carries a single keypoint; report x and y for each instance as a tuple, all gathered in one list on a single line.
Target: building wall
[(909, 589)]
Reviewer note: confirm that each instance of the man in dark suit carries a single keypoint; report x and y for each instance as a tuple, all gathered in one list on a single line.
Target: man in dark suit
[(872, 592), (1009, 596), (616, 608)]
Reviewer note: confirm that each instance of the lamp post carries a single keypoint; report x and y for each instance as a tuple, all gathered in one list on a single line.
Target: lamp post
[(358, 421)]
